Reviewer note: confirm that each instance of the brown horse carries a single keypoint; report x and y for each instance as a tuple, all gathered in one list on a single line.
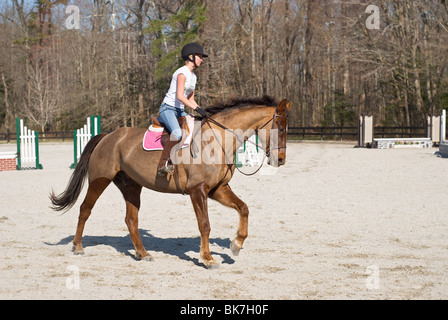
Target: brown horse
[(119, 157)]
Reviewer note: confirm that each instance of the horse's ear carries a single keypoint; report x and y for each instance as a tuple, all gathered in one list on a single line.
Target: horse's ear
[(282, 107), (288, 106)]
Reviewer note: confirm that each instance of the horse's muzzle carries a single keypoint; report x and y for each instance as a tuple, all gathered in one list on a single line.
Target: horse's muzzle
[(281, 161), (276, 162)]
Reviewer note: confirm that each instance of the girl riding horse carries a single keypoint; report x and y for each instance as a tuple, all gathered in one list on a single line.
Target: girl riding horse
[(179, 95)]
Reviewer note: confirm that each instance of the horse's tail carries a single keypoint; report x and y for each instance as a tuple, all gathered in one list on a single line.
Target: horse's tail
[(67, 199)]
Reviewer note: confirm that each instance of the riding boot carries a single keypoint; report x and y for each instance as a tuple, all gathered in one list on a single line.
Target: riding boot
[(165, 166)]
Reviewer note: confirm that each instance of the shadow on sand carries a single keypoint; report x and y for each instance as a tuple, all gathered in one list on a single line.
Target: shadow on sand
[(172, 246)]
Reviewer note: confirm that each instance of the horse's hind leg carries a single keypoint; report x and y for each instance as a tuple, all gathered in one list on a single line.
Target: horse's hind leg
[(131, 192), (94, 191), (225, 196)]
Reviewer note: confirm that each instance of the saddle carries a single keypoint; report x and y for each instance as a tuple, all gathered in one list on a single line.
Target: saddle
[(165, 133), (158, 134)]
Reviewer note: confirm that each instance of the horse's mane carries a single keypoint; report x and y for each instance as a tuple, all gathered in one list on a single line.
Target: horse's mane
[(266, 101)]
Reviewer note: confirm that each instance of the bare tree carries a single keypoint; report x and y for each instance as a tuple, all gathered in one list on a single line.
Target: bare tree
[(319, 55)]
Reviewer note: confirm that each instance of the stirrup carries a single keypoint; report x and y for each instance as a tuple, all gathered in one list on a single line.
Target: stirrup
[(167, 169)]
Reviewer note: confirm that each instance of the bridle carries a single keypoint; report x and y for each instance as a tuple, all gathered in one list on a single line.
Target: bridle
[(267, 151), (268, 145)]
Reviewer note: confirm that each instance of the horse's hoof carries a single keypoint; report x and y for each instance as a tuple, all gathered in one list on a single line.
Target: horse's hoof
[(212, 264), (235, 247), (79, 252), (146, 257)]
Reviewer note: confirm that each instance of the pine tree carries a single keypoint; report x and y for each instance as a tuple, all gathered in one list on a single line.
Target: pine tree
[(172, 33)]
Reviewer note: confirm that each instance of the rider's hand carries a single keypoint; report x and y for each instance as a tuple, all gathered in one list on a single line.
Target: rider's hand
[(201, 111)]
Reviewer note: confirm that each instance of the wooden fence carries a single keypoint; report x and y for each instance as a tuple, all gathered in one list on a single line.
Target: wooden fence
[(323, 133), (43, 136), (351, 133), (401, 132)]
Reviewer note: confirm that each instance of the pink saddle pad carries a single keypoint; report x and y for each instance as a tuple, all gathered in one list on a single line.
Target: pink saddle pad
[(152, 140)]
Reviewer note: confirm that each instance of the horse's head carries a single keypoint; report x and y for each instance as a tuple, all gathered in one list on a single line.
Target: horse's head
[(275, 139)]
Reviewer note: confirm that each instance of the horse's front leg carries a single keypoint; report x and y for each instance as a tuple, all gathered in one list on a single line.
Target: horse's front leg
[(198, 195), (225, 196)]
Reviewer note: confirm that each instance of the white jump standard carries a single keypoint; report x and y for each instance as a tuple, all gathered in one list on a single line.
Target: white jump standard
[(27, 146), (443, 145), (83, 135)]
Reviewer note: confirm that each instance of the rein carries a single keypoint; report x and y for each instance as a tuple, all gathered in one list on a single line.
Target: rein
[(267, 151)]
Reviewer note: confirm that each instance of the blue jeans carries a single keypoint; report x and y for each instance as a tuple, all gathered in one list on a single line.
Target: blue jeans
[(169, 116)]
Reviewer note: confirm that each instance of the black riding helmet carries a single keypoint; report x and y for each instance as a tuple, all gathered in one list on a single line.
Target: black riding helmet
[(192, 49)]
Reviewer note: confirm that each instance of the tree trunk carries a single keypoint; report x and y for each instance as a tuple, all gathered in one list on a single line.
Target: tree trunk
[(8, 116), (309, 87)]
